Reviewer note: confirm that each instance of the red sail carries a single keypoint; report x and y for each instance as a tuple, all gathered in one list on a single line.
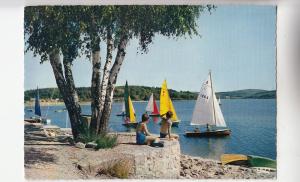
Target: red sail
[(155, 110)]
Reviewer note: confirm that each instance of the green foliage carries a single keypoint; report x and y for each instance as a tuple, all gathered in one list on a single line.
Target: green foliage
[(49, 28), (144, 22), (86, 135), (143, 93), (45, 93), (106, 141), (248, 94)]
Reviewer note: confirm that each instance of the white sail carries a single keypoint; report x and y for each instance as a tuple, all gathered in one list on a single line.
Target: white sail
[(219, 101), (123, 107), (149, 107), (218, 113), (205, 111)]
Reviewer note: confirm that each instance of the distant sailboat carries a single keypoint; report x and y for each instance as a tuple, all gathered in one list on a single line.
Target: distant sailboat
[(130, 119), (37, 109), (208, 112), (152, 107), (166, 104), (61, 110), (37, 105), (122, 113), (219, 101)]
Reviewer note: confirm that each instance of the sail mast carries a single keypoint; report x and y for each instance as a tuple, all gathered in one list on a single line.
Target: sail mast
[(212, 96)]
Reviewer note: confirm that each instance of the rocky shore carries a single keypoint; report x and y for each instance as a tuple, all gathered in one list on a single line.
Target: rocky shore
[(200, 168), (49, 154)]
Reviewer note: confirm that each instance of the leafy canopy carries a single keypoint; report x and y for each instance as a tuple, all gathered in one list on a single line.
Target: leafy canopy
[(73, 29)]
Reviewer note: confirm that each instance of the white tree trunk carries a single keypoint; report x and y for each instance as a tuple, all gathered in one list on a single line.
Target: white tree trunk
[(95, 86), (111, 85), (66, 91)]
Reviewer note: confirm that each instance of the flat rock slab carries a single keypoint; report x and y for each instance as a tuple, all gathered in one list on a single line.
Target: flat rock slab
[(147, 162)]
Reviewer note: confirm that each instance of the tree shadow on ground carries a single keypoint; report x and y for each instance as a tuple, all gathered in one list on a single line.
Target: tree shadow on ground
[(35, 156)]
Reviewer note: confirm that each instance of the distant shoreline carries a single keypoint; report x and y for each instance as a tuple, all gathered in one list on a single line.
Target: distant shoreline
[(142, 93), (51, 103)]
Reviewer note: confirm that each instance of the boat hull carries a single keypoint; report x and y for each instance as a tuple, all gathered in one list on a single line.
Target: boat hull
[(215, 133), (154, 115), (130, 124), (121, 114), (257, 161), (248, 160), (33, 120), (175, 124)]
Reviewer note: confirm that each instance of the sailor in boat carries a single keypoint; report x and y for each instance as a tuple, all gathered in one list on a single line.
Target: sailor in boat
[(165, 128), (197, 130), (143, 136), (127, 120), (207, 127)]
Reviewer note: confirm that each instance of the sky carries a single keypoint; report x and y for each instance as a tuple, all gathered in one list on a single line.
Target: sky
[(237, 43)]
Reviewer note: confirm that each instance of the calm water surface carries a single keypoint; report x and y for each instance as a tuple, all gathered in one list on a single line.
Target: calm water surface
[(252, 122)]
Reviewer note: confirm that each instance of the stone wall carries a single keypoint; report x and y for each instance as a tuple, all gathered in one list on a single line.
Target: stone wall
[(159, 162), (151, 162)]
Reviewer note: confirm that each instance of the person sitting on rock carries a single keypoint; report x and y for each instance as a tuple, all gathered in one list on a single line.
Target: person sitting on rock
[(143, 136), (166, 124)]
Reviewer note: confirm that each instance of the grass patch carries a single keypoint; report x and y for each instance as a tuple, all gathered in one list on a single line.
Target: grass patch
[(120, 169), (86, 135), (103, 141), (106, 141)]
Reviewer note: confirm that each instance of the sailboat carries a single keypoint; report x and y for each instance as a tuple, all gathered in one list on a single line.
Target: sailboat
[(166, 104), (152, 107), (37, 109), (208, 112), (122, 113), (129, 120), (219, 101)]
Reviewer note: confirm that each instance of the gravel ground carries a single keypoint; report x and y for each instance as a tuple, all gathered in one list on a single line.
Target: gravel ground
[(200, 168)]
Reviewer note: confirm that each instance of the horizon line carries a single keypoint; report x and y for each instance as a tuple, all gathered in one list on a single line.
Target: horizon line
[(160, 87)]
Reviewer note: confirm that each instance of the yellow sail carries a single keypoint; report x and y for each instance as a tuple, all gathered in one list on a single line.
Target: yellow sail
[(131, 111), (174, 117), (166, 102), (164, 99)]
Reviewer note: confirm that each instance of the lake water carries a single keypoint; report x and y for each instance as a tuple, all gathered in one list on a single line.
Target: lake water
[(252, 122)]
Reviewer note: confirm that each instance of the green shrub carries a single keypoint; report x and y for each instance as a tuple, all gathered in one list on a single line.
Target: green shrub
[(103, 141), (86, 135), (106, 141)]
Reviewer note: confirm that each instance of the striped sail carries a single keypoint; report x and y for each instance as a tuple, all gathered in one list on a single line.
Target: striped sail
[(149, 107)]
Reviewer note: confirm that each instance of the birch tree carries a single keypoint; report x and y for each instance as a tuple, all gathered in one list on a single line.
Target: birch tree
[(143, 23), (52, 32), (74, 30)]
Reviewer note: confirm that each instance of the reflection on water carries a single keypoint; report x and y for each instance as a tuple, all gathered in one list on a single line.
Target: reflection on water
[(253, 125)]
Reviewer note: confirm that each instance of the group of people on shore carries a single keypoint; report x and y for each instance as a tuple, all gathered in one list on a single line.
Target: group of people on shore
[(144, 137)]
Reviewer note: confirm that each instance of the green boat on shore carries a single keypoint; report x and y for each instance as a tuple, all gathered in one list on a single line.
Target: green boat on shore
[(248, 160)]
